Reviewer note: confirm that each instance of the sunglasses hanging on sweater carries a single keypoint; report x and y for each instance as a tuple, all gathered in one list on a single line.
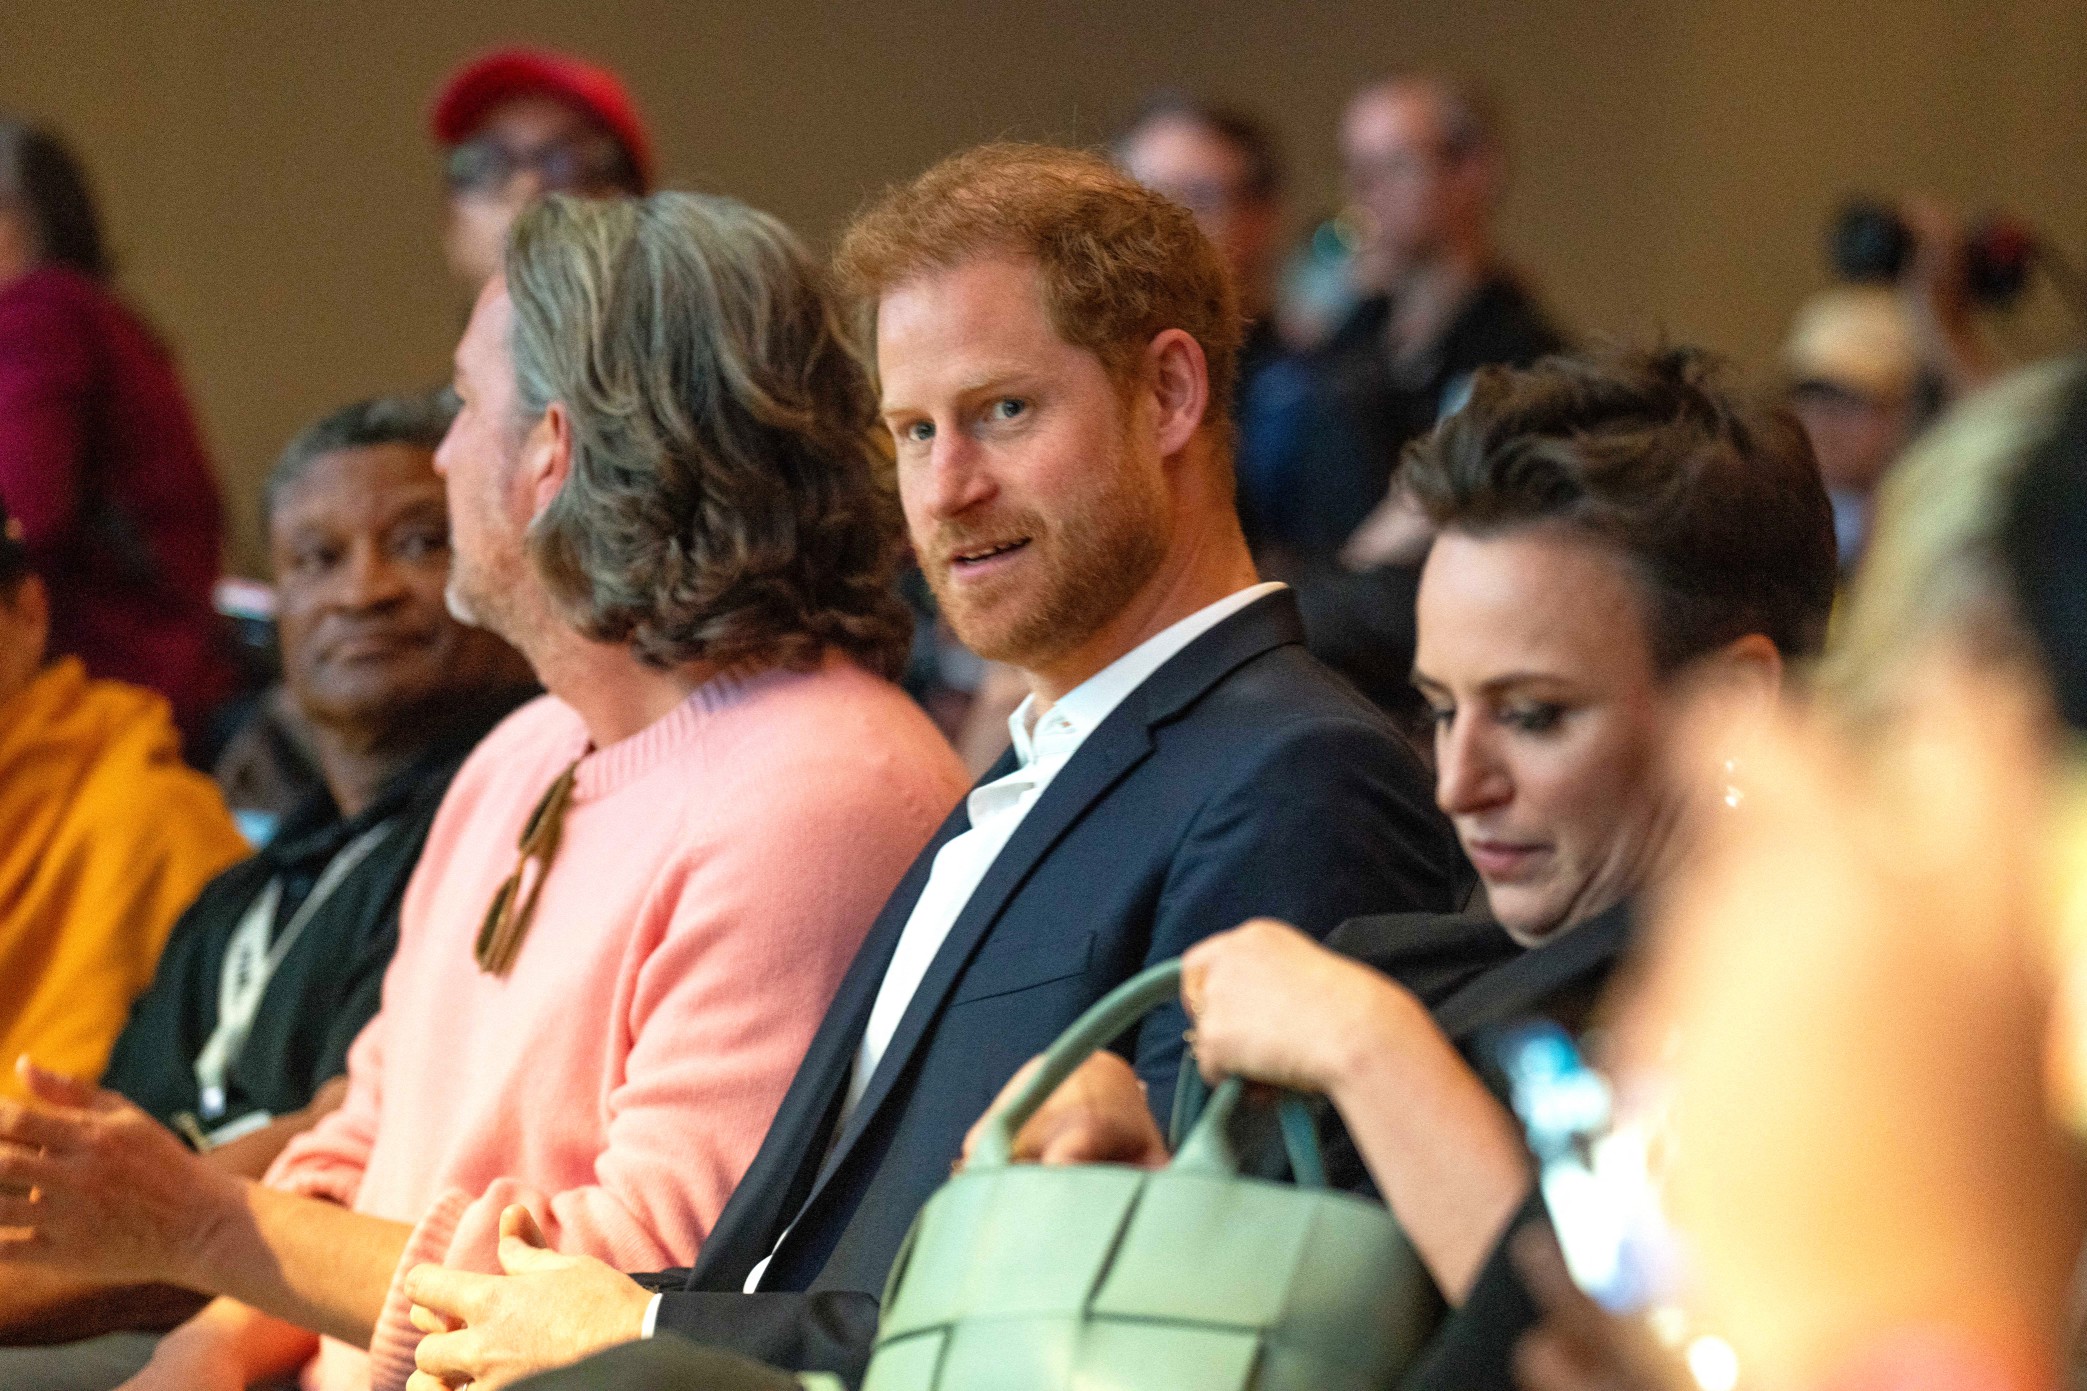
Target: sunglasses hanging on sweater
[(514, 906)]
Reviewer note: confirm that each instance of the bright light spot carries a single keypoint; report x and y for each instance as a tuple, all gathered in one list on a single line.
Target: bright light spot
[(1713, 1364)]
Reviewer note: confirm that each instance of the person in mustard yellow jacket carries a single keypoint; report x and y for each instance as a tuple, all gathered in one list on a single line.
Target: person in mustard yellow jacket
[(105, 836)]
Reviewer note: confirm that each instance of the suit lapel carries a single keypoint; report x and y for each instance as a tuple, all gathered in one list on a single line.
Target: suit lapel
[(776, 1184), (1110, 752), (1118, 745)]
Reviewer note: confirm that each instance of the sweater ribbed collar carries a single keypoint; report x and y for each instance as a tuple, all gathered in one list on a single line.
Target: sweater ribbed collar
[(604, 772)]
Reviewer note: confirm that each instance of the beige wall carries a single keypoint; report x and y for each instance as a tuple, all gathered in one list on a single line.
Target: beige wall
[(270, 189)]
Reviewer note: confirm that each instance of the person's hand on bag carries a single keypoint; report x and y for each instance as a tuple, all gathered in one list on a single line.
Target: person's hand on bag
[(1271, 1004), (1099, 1115)]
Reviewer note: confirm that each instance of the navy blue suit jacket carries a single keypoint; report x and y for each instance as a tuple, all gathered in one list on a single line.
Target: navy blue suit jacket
[(1242, 778)]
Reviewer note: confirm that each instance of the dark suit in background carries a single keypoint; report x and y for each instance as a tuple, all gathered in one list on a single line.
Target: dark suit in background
[(1240, 779)]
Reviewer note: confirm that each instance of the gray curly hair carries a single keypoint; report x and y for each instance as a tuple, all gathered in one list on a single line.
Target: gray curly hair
[(726, 500)]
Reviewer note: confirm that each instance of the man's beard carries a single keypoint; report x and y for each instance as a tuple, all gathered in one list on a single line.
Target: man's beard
[(484, 595), (1094, 559), (458, 605)]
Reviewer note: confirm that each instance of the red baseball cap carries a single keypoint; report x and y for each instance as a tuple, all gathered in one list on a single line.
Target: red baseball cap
[(484, 82)]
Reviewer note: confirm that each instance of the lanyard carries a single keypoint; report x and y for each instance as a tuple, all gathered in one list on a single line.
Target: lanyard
[(250, 963)]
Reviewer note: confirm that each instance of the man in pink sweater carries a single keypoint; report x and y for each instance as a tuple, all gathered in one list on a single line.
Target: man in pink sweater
[(642, 890)]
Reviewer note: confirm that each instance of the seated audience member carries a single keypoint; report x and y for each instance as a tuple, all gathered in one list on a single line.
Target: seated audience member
[(1055, 346), (271, 973), (641, 890), (105, 836), (519, 123), (1616, 537), (1857, 386), (1223, 166), (1868, 1105), (100, 460), (1425, 163)]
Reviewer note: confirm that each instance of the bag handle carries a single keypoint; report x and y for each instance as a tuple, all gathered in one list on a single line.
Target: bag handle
[(1207, 1148), (1104, 1020)]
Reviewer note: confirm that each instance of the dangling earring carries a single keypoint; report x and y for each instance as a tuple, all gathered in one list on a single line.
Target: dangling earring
[(1734, 793)]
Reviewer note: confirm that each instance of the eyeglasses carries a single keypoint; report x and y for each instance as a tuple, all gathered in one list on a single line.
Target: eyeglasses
[(486, 166), (514, 906)]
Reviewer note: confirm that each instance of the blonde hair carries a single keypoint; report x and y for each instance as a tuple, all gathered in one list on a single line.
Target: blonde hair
[(1933, 570)]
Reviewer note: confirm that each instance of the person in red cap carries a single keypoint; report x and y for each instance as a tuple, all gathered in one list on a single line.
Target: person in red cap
[(519, 123)]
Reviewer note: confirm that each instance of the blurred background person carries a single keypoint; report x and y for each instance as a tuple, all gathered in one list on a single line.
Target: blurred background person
[(105, 836), (242, 1040), (1870, 362), (1425, 166), (518, 123), (1855, 381), (1224, 166), (100, 458), (1860, 1007)]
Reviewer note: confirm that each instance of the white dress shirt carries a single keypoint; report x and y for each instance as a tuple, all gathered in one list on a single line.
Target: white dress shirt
[(1042, 747)]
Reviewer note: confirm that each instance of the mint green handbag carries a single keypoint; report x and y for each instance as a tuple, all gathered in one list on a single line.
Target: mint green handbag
[(1102, 1277)]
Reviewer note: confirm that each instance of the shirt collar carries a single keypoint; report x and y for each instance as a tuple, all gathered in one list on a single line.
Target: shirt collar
[(1080, 711)]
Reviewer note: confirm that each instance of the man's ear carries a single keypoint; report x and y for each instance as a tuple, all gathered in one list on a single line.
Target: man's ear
[(1180, 379), (547, 457)]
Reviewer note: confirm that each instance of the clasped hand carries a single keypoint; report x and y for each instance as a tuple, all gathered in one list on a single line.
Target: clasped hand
[(548, 1309)]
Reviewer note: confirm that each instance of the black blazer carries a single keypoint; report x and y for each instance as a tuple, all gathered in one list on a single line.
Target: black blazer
[(1241, 778)]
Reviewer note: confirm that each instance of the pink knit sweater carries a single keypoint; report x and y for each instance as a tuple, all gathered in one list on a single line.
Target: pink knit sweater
[(718, 871)]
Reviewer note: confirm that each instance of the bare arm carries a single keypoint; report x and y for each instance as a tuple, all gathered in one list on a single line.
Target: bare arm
[(227, 1347), (1443, 1152), (303, 1260)]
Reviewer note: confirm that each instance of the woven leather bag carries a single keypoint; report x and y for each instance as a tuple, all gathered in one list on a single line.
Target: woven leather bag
[(1102, 1277)]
